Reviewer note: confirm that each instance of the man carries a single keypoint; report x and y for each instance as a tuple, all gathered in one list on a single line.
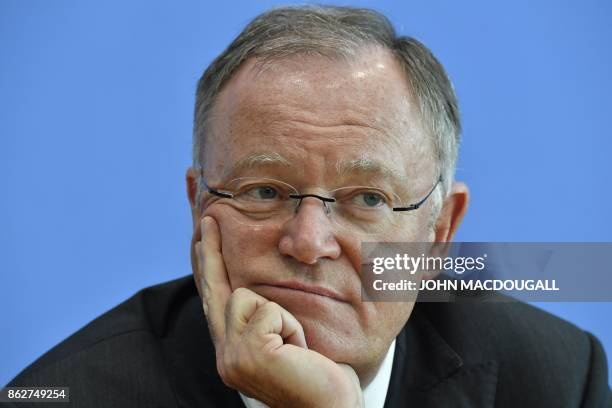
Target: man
[(310, 129)]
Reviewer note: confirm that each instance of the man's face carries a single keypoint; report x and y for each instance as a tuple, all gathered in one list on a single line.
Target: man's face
[(320, 125)]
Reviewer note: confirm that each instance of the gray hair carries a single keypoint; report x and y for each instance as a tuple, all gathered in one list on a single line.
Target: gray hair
[(339, 32)]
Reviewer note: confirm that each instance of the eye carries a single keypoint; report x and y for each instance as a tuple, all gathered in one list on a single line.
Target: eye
[(370, 199), (262, 193)]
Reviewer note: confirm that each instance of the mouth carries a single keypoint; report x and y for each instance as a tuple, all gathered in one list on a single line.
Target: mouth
[(308, 289)]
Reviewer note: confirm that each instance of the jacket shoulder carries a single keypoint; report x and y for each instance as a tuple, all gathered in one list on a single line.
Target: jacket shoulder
[(119, 350)]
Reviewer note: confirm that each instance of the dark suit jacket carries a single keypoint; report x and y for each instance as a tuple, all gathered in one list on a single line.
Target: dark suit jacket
[(154, 350)]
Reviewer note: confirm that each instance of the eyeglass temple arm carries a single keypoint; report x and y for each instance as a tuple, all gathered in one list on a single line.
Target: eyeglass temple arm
[(218, 193), (416, 206)]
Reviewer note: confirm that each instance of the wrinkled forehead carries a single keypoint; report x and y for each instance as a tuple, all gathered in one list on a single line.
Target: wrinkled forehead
[(319, 114)]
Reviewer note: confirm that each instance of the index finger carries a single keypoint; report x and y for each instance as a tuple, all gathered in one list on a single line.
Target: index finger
[(213, 278)]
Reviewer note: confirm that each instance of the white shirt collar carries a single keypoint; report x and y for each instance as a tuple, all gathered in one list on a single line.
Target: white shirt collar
[(374, 394)]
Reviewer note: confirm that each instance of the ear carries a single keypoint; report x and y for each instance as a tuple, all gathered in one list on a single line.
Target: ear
[(191, 179), (454, 208)]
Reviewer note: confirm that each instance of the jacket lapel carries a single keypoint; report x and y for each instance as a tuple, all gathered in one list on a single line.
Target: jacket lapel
[(427, 372)]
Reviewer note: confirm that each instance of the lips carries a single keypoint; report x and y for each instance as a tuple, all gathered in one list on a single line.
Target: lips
[(309, 289)]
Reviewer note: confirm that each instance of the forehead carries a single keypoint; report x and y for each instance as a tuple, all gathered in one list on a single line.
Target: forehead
[(318, 113)]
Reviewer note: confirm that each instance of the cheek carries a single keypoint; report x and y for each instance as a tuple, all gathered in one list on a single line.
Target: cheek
[(389, 318), (247, 251), (411, 227)]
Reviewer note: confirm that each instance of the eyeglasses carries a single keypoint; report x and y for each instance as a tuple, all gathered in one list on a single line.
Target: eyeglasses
[(363, 210)]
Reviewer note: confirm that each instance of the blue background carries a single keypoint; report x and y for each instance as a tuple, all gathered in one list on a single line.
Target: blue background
[(96, 103)]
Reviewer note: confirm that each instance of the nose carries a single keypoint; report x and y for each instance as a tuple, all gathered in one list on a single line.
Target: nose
[(309, 235)]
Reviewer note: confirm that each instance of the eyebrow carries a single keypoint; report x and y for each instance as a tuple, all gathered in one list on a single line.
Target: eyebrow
[(258, 159), (365, 165), (362, 166)]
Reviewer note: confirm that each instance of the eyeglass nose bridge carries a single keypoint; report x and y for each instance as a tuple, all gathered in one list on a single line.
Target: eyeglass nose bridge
[(325, 200)]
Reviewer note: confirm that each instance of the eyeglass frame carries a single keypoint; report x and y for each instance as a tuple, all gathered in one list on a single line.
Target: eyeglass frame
[(411, 207)]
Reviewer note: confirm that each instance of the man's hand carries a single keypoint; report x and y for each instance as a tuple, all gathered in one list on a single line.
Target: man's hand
[(260, 347)]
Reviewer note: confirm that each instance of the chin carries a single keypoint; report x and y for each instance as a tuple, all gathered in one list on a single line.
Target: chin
[(338, 342)]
